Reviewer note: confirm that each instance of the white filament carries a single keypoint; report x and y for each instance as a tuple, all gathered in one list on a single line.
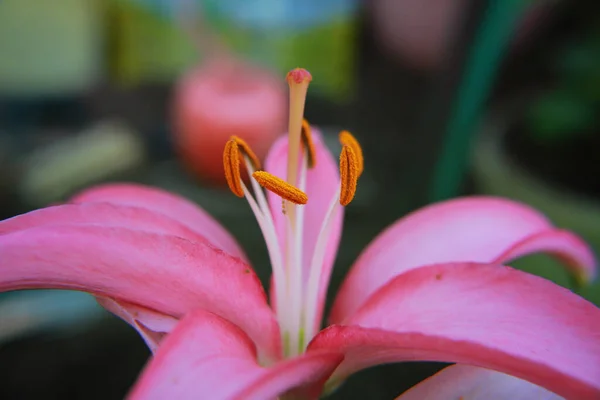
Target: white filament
[(311, 325), (265, 222)]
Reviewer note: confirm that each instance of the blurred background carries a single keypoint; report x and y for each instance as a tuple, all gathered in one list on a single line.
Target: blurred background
[(447, 97)]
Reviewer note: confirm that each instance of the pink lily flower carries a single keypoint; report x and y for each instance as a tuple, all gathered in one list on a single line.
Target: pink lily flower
[(431, 287)]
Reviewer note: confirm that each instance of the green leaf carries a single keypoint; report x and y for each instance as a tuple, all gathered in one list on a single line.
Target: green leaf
[(559, 116)]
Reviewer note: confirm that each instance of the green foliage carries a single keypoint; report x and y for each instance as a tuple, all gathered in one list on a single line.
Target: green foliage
[(571, 108), (559, 115)]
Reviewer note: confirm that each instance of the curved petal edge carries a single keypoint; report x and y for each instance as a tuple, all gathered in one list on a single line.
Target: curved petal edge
[(171, 205), (163, 273), (489, 316), (469, 229), (473, 383), (207, 356)]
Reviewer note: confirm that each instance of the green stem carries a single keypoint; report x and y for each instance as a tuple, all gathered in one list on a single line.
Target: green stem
[(488, 48)]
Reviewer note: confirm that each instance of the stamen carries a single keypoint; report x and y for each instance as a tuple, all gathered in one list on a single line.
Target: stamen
[(280, 187), (231, 165), (309, 146), (235, 148), (347, 139), (348, 174), (247, 151)]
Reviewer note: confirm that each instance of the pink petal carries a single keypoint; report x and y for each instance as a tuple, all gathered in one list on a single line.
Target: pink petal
[(565, 245), (484, 315), (169, 204), (163, 273), (322, 183), (151, 325), (477, 229), (103, 214), (209, 357), (473, 383), (113, 215)]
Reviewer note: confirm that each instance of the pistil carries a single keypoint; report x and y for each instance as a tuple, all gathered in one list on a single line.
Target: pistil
[(298, 80)]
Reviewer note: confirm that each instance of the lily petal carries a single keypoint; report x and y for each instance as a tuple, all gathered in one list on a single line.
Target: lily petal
[(163, 273), (102, 214), (490, 316), (113, 215), (322, 183), (473, 383), (208, 357), (565, 245), (470, 229), (169, 204), (151, 325)]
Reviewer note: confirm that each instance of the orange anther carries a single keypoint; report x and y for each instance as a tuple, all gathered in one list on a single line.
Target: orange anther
[(348, 174), (280, 187), (247, 152), (309, 145), (231, 165), (235, 152), (347, 139)]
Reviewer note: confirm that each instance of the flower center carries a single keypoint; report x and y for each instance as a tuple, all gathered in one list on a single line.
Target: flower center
[(296, 275)]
